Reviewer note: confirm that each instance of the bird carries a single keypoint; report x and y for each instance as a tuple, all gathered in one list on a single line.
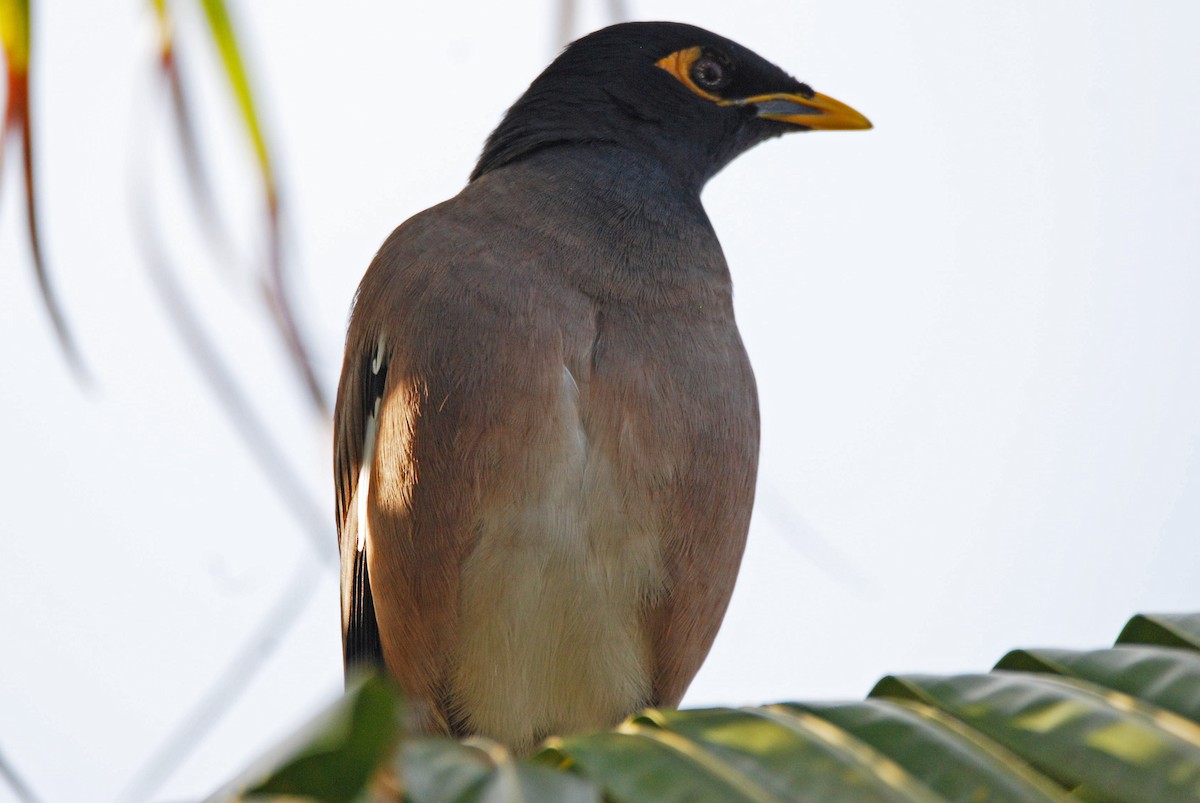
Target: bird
[(546, 432)]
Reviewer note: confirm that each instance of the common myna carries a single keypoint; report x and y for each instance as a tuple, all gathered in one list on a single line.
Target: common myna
[(547, 428)]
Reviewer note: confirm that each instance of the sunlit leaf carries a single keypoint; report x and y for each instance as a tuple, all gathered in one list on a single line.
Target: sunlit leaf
[(225, 38), (1111, 745), (950, 758), (1164, 676), (1004, 736), (636, 765), (14, 34), (784, 749)]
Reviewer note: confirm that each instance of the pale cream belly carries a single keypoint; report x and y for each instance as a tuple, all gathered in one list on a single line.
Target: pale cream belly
[(550, 636)]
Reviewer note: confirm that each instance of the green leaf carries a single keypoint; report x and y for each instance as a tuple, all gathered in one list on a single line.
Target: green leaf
[(639, 764), (1165, 629), (14, 34), (439, 770), (221, 28), (951, 759), (784, 749), (343, 749), (1111, 745), (445, 771), (518, 783), (1163, 676)]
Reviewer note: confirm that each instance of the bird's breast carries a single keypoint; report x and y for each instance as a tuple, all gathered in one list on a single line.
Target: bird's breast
[(570, 533)]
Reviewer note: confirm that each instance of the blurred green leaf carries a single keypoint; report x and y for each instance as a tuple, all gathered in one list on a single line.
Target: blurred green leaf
[(14, 34), (442, 770), (15, 26), (221, 28), (344, 751)]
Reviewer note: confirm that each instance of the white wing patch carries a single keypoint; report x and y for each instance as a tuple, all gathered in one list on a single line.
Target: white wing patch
[(363, 489)]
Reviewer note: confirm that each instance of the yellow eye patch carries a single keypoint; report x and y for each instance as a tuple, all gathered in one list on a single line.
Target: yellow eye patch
[(679, 64)]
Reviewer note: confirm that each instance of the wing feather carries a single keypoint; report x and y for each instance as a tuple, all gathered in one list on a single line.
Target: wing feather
[(360, 399)]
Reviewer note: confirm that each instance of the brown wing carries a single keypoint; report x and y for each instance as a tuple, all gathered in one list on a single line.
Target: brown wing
[(360, 396), (707, 506), (407, 462)]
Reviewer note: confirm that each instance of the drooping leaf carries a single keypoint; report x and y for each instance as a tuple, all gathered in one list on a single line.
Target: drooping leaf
[(171, 72), (14, 34), (17, 128), (225, 38), (272, 285)]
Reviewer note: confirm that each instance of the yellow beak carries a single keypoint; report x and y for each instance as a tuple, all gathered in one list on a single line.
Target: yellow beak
[(817, 112)]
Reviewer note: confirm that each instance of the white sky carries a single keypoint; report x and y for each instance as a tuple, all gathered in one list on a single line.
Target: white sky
[(974, 330)]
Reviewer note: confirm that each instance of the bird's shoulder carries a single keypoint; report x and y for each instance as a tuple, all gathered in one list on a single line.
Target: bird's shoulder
[(469, 260)]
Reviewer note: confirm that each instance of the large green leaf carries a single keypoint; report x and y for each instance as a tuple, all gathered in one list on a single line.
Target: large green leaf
[(1110, 745), (944, 754), (1120, 724), (1163, 676), (1167, 629), (641, 763), (784, 749)]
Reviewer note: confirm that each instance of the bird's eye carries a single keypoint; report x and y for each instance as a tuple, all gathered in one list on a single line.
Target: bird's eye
[(710, 74)]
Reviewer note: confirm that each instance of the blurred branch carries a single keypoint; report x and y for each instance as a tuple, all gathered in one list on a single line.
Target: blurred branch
[(617, 11), (189, 146), (214, 704), (188, 323), (274, 288), (565, 30), (16, 783), (566, 24), (15, 24), (237, 407), (800, 534)]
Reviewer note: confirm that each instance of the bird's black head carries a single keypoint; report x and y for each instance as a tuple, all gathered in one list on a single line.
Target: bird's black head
[(690, 98)]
